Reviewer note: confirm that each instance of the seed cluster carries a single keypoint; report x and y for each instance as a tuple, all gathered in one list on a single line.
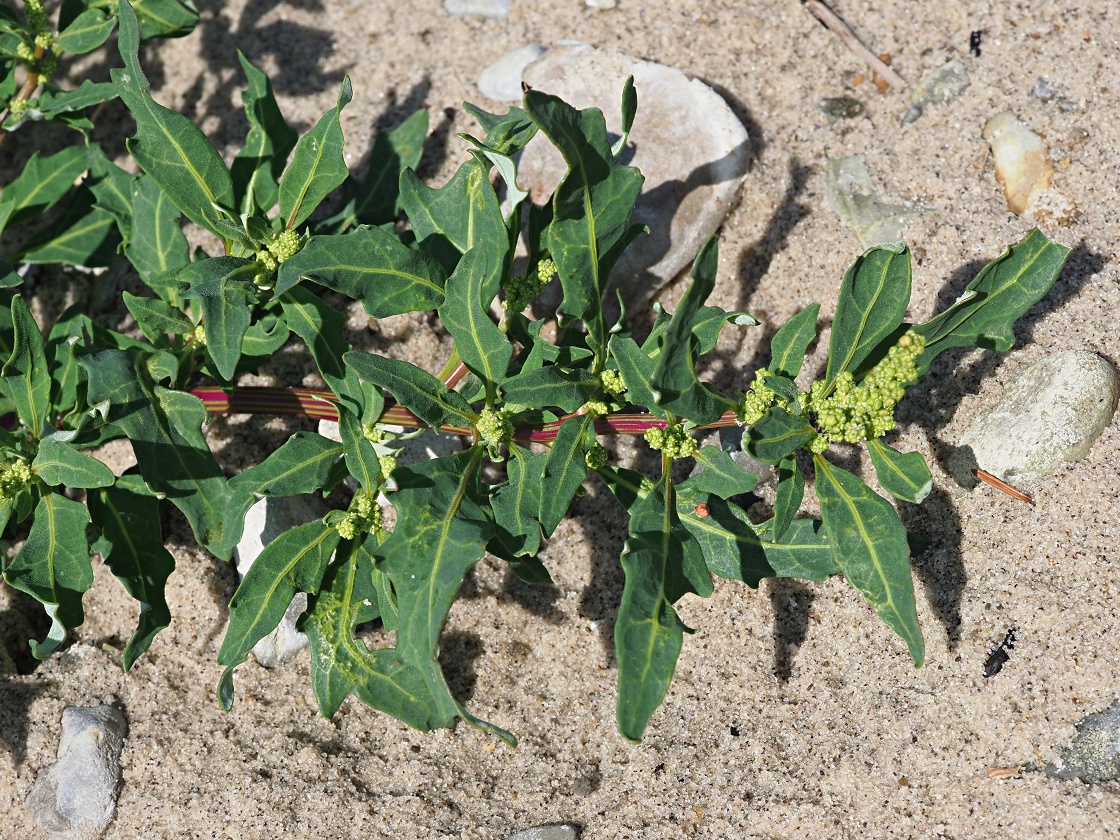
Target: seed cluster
[(673, 441), (522, 288)]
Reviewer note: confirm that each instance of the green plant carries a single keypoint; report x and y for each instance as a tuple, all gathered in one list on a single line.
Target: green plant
[(533, 406)]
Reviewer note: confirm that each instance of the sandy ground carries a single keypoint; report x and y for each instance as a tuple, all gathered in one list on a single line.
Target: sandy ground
[(795, 712)]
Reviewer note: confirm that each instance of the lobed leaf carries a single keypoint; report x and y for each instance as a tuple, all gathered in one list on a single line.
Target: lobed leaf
[(551, 386), (257, 168), (25, 373), (415, 389), (42, 184), (61, 464), (318, 165), (224, 289), (157, 244), (565, 469), (904, 476), (778, 435), (719, 475), (484, 349)]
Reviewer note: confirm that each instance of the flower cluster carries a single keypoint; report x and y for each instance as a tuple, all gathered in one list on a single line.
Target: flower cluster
[(494, 428), (758, 399), (852, 413), (611, 382), (282, 246), (596, 457), (673, 441), (364, 517), (14, 477), (522, 288)]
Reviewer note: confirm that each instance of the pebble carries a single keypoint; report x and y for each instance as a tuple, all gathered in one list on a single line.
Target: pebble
[(601, 4), (937, 87), (482, 8), (501, 81), (266, 520), (1094, 754), (686, 196), (851, 195), (76, 798), (1022, 164), (837, 108), (561, 831), (1049, 413)]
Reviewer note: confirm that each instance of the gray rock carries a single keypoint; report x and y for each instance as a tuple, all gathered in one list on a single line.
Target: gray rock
[(837, 108), (501, 81), (267, 519), (76, 798), (482, 8), (851, 195), (687, 142), (1094, 754), (560, 831), (938, 86), (1051, 412)]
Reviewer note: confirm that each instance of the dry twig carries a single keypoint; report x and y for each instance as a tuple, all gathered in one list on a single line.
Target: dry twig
[(836, 24)]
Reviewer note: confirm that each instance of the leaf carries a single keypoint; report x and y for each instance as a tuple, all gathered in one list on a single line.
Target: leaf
[(565, 469), (790, 492), (869, 545), (371, 266), (257, 168), (551, 386), (64, 370), (637, 370), (157, 244), (506, 133), (483, 347), (904, 476), (719, 475), (415, 389), (167, 145), (629, 109), (873, 298), (377, 198), (224, 289), (361, 459), (591, 208), (83, 235), (708, 324), (165, 18), (42, 184), (164, 428), (996, 298), (154, 317), (87, 32), (293, 562), (791, 342), (59, 463), (112, 189), (54, 102), (647, 632), (675, 384), (53, 567), (127, 516), (778, 435), (517, 503), (318, 166), (321, 328), (25, 372)]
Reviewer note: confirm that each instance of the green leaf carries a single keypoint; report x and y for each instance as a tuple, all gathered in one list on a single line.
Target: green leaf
[(42, 184), (565, 469), (872, 303), (790, 492), (377, 197), (791, 342), (130, 541), (708, 324), (112, 189), (996, 298), (83, 235), (517, 503), (675, 384), (53, 567), (869, 545), (415, 389), (65, 372), (165, 18), (321, 328), (506, 133), (59, 463), (719, 475), (25, 372), (591, 208), (904, 476), (647, 632), (164, 427), (54, 102), (167, 145), (361, 458), (637, 370), (87, 32), (257, 168), (777, 435), (224, 289), (551, 386), (154, 317), (369, 265), (293, 562), (157, 244), (629, 109), (483, 347), (318, 165)]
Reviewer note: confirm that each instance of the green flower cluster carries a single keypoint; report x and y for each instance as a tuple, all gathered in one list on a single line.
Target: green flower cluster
[(364, 517), (596, 408), (854, 413), (387, 463), (611, 382), (14, 477), (596, 457), (493, 427), (758, 399), (674, 441), (43, 44), (282, 246), (36, 15), (522, 288)]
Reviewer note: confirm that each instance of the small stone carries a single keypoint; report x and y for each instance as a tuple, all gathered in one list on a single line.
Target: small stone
[(482, 8), (1050, 413), (1022, 165), (851, 195), (560, 831), (267, 519), (601, 4), (837, 108), (76, 798), (937, 87), (501, 81), (1094, 754), (1042, 90), (686, 140)]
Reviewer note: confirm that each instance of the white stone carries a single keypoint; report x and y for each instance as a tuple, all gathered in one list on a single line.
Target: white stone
[(687, 142), (601, 4), (562, 831), (1022, 164), (1050, 413), (483, 8), (501, 80), (424, 446), (76, 798)]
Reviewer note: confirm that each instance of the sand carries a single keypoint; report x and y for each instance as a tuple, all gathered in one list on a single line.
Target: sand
[(794, 712)]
